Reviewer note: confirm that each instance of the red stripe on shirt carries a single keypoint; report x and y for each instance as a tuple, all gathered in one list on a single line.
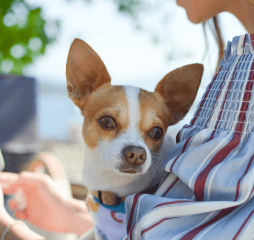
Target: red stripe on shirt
[(245, 104), (203, 101), (239, 181), (184, 147), (170, 187), (242, 117), (212, 135), (196, 231), (199, 187), (241, 228), (136, 197), (132, 230), (222, 108), (161, 183), (155, 225), (252, 40), (216, 100), (221, 214), (174, 202)]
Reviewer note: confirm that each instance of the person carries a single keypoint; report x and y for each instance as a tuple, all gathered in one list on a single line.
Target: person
[(208, 193)]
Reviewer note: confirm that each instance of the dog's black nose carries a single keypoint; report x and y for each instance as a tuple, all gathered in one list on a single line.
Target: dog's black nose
[(135, 156)]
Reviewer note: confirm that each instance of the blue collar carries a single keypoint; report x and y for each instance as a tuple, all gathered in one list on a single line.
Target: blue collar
[(116, 208)]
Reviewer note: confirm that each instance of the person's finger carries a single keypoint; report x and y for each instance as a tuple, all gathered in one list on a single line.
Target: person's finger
[(7, 177), (11, 182), (21, 215), (11, 188)]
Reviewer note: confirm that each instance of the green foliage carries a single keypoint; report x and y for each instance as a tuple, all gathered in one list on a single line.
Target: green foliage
[(23, 35), (131, 7)]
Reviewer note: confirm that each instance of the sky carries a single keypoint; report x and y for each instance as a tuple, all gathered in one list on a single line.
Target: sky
[(130, 56)]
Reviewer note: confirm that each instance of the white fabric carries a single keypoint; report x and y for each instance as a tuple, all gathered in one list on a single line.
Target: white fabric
[(108, 225)]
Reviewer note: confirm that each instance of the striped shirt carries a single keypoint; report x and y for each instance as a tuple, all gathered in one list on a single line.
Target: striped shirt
[(208, 192)]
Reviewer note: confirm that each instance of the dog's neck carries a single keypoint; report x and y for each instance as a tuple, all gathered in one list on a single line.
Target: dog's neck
[(99, 177)]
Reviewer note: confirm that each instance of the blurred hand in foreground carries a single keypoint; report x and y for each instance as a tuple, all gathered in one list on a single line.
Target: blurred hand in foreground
[(3, 212), (46, 206)]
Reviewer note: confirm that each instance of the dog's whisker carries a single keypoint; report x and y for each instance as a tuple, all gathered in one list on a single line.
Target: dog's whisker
[(155, 171), (157, 158), (155, 166), (157, 154), (147, 176)]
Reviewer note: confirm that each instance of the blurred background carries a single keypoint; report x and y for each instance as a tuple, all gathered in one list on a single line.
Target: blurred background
[(139, 42)]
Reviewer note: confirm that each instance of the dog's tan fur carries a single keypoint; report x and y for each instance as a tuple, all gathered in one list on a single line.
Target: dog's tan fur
[(88, 85)]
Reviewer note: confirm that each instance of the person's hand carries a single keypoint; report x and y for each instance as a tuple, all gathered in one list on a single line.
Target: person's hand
[(1, 199), (47, 207), (3, 211)]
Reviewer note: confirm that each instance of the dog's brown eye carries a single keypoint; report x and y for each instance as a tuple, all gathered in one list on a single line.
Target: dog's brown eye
[(107, 122), (156, 133)]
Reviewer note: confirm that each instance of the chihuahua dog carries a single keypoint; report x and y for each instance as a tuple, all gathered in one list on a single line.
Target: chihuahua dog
[(123, 130)]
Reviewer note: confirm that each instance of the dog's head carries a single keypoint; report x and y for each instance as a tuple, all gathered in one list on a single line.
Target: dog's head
[(125, 125)]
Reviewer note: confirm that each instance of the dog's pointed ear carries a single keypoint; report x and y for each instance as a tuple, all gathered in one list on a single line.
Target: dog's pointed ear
[(179, 89), (85, 72)]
